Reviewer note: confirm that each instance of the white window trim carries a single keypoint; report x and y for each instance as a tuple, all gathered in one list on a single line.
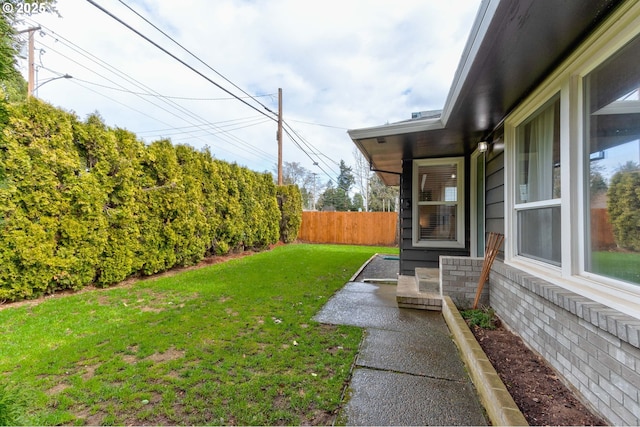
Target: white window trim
[(460, 219), (474, 198), (619, 29), (520, 116)]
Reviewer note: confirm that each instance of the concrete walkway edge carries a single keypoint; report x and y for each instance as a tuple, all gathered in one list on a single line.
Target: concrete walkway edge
[(361, 269), (495, 398)]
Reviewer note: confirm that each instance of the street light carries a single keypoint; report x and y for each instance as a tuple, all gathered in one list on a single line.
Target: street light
[(64, 76)]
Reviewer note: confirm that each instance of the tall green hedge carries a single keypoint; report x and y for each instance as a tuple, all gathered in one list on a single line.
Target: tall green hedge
[(290, 202), (82, 203)]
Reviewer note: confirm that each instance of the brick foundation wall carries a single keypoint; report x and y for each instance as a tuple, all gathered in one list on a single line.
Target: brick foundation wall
[(596, 349), (459, 280)]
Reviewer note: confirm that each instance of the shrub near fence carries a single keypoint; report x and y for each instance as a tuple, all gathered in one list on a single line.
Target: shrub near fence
[(290, 203), (352, 228)]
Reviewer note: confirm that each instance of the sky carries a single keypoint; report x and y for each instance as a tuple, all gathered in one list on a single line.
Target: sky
[(340, 64)]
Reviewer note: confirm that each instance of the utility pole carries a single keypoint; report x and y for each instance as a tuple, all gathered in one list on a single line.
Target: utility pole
[(279, 136), (32, 79)]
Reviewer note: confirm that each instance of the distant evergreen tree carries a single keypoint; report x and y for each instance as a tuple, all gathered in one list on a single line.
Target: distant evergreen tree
[(346, 178)]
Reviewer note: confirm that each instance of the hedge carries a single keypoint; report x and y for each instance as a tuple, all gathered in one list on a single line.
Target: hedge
[(290, 203), (82, 203)]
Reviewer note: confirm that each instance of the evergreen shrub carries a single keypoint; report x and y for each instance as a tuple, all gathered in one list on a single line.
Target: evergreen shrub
[(82, 203), (290, 203), (624, 208)]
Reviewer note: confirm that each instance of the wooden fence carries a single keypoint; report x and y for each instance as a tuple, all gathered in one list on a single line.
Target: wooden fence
[(601, 231), (353, 228)]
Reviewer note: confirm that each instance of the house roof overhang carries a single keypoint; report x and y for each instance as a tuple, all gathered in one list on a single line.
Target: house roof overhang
[(512, 47)]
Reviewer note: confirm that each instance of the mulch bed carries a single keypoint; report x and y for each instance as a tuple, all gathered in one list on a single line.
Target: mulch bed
[(533, 384)]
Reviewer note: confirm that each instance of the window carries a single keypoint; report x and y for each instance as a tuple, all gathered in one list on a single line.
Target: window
[(612, 158), (438, 217), (572, 170), (538, 186)]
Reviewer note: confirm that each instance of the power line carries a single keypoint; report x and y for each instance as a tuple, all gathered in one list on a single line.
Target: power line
[(203, 129), (308, 155), (229, 122), (193, 69), (178, 59), (145, 114), (308, 145), (298, 144), (193, 55), (319, 124), (184, 98), (135, 82)]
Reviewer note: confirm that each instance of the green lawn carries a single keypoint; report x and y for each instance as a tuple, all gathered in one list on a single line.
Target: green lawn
[(232, 343), (619, 265)]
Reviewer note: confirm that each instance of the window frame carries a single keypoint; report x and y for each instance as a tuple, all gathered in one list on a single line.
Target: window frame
[(476, 223), (459, 242), (538, 204), (568, 80)]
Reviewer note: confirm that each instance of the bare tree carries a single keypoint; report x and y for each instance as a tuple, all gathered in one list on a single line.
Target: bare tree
[(362, 175), (382, 198), (293, 173)]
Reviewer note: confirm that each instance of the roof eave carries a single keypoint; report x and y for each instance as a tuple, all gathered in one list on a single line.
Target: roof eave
[(396, 129), (484, 17)]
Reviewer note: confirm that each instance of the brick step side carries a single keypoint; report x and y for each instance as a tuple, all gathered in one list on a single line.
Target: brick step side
[(408, 295)]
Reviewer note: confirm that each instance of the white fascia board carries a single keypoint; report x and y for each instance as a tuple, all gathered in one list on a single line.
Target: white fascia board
[(477, 35), (396, 129)]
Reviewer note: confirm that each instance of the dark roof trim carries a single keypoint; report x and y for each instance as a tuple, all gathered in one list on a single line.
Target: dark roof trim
[(485, 15), (481, 24)]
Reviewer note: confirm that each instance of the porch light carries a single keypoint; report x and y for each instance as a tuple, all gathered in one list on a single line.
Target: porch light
[(482, 146)]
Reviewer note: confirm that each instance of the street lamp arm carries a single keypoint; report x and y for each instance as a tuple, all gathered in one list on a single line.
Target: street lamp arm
[(65, 76)]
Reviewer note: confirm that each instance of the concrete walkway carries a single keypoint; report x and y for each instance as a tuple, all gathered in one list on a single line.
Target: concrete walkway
[(408, 370)]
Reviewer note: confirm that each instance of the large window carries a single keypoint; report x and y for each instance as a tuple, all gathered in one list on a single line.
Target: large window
[(572, 170), (612, 158), (538, 184), (438, 202)]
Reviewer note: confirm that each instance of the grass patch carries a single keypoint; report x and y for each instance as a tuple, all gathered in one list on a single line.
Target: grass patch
[(232, 343), (484, 318), (11, 408), (618, 265)]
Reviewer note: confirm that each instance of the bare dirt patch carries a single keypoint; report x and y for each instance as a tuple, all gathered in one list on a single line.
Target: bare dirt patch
[(90, 419), (320, 418), (89, 372), (231, 312), (534, 385), (58, 388), (170, 354), (130, 359)]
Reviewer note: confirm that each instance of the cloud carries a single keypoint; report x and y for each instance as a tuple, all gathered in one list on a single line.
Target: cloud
[(346, 64)]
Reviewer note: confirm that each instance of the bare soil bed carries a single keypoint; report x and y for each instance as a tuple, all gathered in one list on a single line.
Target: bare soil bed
[(534, 386)]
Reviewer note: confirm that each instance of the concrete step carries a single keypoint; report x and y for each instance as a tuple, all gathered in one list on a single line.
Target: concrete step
[(408, 295), (428, 280)]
